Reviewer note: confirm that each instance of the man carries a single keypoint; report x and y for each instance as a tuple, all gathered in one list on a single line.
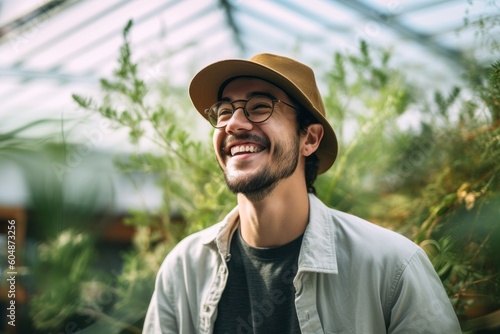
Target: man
[(281, 261)]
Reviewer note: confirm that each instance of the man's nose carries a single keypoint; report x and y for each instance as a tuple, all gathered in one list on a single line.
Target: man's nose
[(238, 122)]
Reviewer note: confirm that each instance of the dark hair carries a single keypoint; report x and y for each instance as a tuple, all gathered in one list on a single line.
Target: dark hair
[(304, 119)]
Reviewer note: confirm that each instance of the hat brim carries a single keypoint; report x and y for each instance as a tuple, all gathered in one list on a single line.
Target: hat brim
[(204, 89)]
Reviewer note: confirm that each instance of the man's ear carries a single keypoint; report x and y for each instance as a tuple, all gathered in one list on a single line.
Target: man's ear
[(311, 140)]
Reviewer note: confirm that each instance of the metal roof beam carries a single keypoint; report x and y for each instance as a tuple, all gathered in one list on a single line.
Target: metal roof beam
[(28, 75), (39, 14), (117, 32), (303, 10), (67, 33), (389, 21), (422, 5)]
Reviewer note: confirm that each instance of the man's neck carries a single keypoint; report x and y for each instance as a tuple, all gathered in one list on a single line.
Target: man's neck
[(276, 220)]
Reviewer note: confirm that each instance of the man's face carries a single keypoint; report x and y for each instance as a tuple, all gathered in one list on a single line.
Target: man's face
[(255, 157)]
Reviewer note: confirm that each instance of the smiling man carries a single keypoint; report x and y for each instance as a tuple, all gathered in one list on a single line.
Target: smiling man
[(281, 261)]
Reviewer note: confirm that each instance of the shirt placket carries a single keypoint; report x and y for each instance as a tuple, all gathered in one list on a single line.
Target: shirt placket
[(305, 304), (209, 307)]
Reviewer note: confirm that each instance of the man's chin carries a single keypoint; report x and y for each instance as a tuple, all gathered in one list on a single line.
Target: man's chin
[(255, 186), (241, 167), (241, 173), (238, 183)]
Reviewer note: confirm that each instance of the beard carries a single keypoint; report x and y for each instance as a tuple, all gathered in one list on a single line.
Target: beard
[(264, 179)]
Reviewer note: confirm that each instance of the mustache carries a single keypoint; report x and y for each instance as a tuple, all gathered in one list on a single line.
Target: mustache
[(247, 136)]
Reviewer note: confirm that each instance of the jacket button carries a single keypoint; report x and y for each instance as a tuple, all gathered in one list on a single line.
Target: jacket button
[(206, 308)]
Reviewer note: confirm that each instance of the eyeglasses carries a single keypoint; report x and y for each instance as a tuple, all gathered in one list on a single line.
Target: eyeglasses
[(257, 109)]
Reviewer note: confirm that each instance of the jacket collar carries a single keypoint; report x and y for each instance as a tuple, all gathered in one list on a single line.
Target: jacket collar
[(221, 233), (317, 253)]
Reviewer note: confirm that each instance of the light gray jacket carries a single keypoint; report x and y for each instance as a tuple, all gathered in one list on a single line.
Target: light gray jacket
[(353, 277)]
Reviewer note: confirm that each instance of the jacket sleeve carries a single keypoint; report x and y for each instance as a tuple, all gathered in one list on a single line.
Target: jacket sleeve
[(419, 301), (161, 315)]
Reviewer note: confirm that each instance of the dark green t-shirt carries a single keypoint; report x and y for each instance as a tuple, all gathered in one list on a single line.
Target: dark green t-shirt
[(259, 296)]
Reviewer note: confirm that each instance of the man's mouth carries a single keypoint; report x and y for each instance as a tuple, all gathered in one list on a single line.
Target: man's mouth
[(245, 148), (244, 144)]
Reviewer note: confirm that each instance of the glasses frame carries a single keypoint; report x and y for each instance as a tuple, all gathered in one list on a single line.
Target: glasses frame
[(245, 112)]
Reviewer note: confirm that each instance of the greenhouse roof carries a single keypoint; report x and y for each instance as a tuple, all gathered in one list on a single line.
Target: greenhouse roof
[(51, 49)]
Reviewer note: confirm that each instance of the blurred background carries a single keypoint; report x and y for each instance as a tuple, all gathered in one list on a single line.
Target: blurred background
[(105, 165)]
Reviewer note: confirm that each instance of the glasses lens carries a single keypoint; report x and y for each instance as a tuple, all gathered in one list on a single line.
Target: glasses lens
[(259, 108), (220, 113)]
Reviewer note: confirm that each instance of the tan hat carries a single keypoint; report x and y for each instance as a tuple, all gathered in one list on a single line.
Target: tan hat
[(295, 78)]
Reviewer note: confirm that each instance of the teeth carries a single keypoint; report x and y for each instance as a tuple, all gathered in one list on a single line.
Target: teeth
[(244, 148)]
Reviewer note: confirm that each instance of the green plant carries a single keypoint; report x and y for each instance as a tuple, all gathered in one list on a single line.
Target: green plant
[(194, 193), (459, 207), (436, 183), (367, 98), (65, 260)]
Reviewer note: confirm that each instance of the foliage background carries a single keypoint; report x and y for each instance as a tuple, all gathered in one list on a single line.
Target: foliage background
[(434, 181)]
